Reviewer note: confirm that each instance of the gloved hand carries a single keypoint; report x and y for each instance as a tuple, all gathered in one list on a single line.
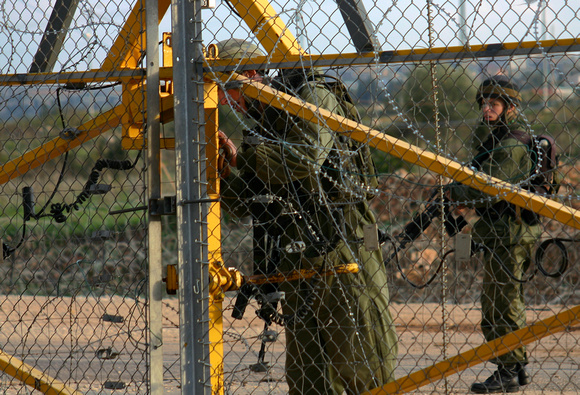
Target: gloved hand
[(228, 154)]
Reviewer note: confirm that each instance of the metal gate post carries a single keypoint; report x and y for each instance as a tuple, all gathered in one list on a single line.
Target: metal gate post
[(154, 187), (192, 199)]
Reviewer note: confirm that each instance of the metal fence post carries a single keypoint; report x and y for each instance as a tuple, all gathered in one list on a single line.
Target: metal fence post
[(191, 192)]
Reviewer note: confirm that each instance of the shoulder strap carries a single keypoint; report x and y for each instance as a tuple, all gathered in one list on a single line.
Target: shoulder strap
[(521, 136)]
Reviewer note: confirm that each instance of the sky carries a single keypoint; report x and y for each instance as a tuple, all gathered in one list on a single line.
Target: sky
[(405, 24), (402, 24)]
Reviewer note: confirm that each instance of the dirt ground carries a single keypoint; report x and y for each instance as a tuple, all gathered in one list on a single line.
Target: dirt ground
[(554, 360), (68, 338)]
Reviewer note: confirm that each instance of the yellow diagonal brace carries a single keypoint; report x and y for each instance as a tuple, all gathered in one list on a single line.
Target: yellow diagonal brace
[(59, 145), (485, 352), (268, 27), (33, 377), (410, 153), (128, 47)]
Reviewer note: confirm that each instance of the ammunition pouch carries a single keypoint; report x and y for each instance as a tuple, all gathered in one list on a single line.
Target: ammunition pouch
[(313, 230)]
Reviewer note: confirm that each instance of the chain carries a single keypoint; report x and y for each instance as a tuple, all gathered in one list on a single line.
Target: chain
[(435, 87)]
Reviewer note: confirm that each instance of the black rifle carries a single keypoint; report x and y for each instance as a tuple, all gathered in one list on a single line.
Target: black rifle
[(421, 221)]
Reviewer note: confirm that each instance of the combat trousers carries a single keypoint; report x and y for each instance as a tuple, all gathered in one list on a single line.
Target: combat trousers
[(345, 343), (502, 301)]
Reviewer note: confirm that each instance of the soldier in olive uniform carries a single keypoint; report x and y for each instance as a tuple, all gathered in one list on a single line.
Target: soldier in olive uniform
[(507, 232), (313, 206)]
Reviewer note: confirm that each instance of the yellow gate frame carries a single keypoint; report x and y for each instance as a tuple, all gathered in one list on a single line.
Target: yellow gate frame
[(121, 64)]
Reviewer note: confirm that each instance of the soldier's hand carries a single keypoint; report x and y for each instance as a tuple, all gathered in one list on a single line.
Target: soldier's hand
[(228, 154)]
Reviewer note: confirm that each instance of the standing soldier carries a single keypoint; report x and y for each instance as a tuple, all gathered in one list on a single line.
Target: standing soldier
[(307, 189), (506, 231)]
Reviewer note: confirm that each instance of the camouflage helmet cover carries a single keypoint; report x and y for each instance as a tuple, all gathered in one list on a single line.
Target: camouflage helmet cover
[(499, 87), (235, 48)]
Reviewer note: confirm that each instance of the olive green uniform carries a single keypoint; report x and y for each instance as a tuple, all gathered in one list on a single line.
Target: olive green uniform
[(509, 241), (341, 337)]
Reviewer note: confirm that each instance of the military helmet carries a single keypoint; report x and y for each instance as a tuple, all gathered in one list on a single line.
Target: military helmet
[(499, 87), (235, 48)]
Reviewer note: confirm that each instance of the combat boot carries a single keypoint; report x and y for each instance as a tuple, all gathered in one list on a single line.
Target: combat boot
[(504, 379), (523, 375)]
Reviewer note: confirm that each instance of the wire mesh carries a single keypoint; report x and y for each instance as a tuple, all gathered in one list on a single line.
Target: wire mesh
[(74, 267), (430, 102), (353, 272)]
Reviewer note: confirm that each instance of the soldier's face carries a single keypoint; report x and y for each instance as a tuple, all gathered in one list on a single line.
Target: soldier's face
[(492, 109), (234, 97)]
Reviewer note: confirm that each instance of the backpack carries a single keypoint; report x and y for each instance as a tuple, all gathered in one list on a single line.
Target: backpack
[(362, 164), (545, 177), (363, 160)]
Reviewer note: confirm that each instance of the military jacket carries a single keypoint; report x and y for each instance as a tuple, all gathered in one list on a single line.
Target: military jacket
[(509, 160), (291, 163), (317, 215)]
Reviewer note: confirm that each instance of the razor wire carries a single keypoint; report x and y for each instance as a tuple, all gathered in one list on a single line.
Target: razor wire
[(73, 302), (83, 275), (429, 144)]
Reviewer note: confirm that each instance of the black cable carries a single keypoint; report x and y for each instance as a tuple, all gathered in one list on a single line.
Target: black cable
[(503, 265), (558, 242), (60, 106), (421, 221), (62, 272), (7, 250), (428, 282), (71, 87), (58, 210), (231, 7), (58, 182), (64, 163)]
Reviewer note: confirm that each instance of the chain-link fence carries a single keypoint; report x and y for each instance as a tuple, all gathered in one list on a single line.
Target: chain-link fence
[(394, 185), (74, 267)]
